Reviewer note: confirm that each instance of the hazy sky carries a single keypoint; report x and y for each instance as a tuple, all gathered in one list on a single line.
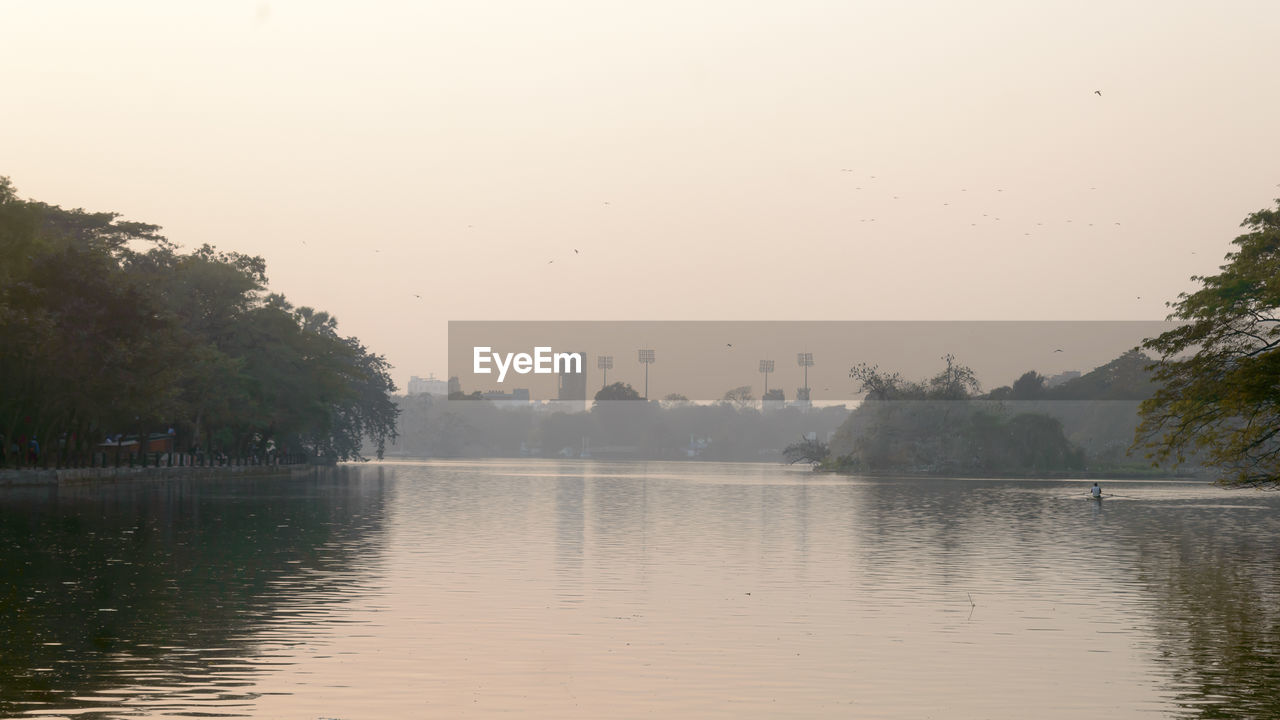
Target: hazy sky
[(708, 159)]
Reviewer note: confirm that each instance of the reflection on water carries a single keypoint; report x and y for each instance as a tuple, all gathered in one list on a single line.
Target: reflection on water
[(1216, 626), (172, 598), (580, 589)]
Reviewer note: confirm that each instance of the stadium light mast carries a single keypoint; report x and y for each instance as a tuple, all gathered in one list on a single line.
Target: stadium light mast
[(647, 358), (766, 367), (805, 360), (604, 363)]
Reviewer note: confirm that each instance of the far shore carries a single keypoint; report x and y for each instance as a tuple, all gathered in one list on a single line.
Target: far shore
[(1082, 475), (1137, 474), (67, 477)]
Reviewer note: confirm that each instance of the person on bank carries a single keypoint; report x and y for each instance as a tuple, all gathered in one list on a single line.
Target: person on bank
[(1096, 491)]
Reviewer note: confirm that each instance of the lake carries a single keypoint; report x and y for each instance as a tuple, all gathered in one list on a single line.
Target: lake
[(583, 589)]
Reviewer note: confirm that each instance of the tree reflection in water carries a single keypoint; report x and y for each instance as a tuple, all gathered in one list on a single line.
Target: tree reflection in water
[(1207, 574), (177, 598), (1217, 622), (172, 586)]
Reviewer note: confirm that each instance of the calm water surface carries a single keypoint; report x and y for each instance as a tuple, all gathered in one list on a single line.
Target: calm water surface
[(590, 590)]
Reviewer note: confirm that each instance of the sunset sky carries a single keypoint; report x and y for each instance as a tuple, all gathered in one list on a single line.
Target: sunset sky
[(706, 160)]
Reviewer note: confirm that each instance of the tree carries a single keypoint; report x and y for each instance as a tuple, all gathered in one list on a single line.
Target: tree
[(880, 385), (955, 382), (810, 451), (674, 400), (1223, 400), (775, 395), (105, 328), (941, 425), (617, 391), (83, 343), (1028, 387), (739, 398), (1128, 377)]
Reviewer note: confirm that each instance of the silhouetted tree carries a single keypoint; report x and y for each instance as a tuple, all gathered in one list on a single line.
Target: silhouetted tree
[(810, 451), (739, 398), (617, 391), (105, 327), (1223, 399), (1028, 387)]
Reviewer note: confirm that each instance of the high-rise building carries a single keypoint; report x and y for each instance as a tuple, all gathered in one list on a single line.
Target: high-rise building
[(573, 385), (430, 385)]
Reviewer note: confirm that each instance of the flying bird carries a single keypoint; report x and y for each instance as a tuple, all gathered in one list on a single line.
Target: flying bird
[(1098, 93), (575, 251)]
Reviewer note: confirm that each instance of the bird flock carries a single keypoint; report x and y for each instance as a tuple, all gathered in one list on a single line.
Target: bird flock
[(873, 185)]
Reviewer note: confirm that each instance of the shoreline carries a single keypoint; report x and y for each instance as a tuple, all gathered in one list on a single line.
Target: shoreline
[(1064, 475), (69, 477)]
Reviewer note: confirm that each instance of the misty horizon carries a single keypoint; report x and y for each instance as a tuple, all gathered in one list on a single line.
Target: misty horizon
[(406, 165)]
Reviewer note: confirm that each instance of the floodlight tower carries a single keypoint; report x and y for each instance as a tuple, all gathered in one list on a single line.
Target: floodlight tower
[(766, 367), (604, 363), (805, 360), (647, 358)]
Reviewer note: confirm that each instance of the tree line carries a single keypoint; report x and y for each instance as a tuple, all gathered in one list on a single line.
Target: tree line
[(109, 330), (618, 425), (942, 425), (1209, 398)]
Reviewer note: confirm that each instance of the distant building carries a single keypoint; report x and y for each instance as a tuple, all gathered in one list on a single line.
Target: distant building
[(1061, 378), (573, 385), (773, 400), (455, 385), (550, 407), (430, 385), (516, 395), (802, 399)]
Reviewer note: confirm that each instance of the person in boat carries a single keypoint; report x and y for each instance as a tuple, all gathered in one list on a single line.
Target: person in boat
[(1095, 492)]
